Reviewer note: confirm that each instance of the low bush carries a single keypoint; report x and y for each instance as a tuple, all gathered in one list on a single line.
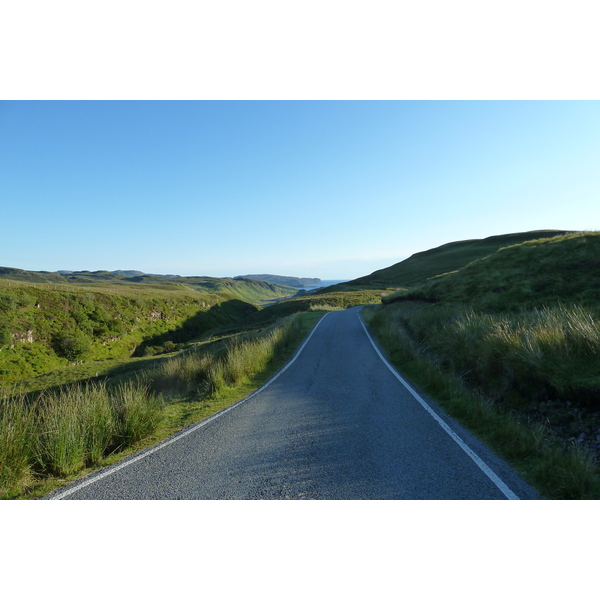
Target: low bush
[(71, 345), (5, 335)]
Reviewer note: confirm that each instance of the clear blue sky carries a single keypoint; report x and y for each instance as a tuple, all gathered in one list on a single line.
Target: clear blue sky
[(329, 189)]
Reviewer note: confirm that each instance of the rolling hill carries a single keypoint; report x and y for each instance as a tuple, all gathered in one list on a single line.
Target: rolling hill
[(446, 258), (540, 272)]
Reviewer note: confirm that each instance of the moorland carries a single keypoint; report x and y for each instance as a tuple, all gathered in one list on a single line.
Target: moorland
[(503, 332)]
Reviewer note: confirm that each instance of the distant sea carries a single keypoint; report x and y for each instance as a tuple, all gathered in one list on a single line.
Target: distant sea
[(324, 283)]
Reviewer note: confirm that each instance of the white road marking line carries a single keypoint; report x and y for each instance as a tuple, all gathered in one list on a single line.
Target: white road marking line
[(493, 477), (130, 461)]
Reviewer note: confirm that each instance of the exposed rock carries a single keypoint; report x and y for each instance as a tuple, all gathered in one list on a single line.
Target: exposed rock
[(24, 337)]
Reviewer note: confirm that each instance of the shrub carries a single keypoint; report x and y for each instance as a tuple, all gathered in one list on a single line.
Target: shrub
[(169, 346), (5, 335), (7, 302), (71, 345)]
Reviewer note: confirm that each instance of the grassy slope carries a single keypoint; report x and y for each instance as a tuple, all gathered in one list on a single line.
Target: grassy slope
[(249, 290), (443, 259), (114, 316), (539, 272), (296, 282)]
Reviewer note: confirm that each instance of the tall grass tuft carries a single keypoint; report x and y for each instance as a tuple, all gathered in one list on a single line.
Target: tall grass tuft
[(244, 359), (99, 421), (179, 375), (551, 352), (16, 442), (61, 432), (239, 361), (138, 411), (65, 430)]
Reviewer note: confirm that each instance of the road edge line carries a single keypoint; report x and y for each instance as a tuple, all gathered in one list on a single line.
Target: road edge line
[(496, 480), (129, 461)]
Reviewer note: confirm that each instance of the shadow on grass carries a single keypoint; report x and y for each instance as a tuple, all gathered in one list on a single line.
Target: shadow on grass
[(220, 316)]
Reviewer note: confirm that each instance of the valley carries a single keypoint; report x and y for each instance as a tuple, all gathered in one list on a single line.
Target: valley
[(502, 332)]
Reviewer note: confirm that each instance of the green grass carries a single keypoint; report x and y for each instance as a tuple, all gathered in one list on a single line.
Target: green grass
[(62, 431), (560, 269), (16, 448), (444, 259)]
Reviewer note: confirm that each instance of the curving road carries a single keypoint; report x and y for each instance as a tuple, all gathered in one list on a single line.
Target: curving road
[(336, 423)]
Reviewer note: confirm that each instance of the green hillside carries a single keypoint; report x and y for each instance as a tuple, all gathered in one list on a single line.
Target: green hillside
[(249, 290), (443, 259), (31, 276), (49, 321), (541, 272)]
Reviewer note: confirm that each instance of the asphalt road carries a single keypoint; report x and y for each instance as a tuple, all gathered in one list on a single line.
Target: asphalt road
[(337, 423)]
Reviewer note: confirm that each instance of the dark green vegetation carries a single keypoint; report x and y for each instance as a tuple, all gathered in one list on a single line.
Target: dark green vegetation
[(297, 282), (510, 344)]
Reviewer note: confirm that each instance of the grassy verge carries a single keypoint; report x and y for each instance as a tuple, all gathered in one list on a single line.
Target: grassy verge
[(61, 435), (485, 371), (64, 431)]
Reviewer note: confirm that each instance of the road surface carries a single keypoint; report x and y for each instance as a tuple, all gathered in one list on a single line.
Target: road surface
[(336, 423)]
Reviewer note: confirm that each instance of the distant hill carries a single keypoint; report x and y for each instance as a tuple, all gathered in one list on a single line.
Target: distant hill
[(30, 276), (446, 258), (63, 275), (249, 290), (130, 273), (283, 279)]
